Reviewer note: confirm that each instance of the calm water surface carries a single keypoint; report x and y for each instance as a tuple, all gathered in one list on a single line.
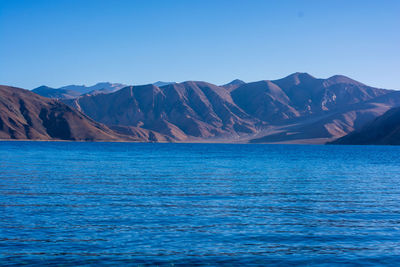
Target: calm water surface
[(198, 204)]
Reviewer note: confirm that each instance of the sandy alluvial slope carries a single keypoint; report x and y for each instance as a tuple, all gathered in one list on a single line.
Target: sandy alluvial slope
[(383, 130)]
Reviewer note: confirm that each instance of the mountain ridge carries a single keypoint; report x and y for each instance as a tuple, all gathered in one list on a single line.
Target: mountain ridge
[(25, 115), (298, 108), (199, 111), (73, 91)]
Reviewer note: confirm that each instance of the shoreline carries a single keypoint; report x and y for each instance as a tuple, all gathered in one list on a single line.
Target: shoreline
[(180, 142)]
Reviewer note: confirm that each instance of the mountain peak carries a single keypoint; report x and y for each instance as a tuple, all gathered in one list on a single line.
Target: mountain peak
[(342, 79), (43, 87), (295, 79), (235, 82), (161, 83), (301, 76)]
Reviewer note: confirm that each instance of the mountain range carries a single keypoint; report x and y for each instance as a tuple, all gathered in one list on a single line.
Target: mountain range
[(73, 91), (296, 109)]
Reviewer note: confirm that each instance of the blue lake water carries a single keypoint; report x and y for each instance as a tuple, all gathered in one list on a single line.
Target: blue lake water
[(198, 204)]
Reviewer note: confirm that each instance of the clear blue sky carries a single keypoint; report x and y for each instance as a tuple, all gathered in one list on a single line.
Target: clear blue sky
[(59, 42)]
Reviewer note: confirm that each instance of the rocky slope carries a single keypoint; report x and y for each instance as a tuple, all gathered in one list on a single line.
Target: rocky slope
[(383, 130), (197, 110), (26, 115), (296, 109)]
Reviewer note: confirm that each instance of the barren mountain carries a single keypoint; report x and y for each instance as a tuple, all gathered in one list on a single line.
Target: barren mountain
[(26, 115), (383, 130), (73, 91), (296, 109), (190, 109), (325, 128), (327, 109)]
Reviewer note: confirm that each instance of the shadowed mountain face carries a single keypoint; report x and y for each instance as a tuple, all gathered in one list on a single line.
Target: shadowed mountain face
[(26, 115), (384, 130), (296, 109), (55, 93)]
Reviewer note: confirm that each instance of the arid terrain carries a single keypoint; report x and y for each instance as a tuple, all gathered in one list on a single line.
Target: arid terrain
[(296, 109)]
